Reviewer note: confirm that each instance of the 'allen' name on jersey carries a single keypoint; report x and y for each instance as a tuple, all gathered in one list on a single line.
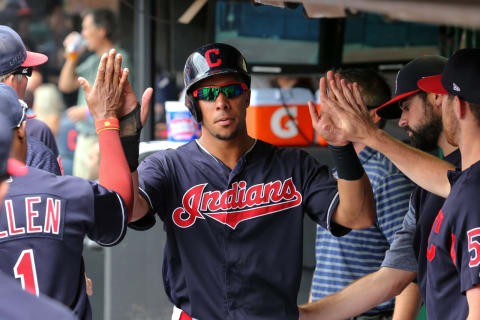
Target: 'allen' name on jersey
[(40, 215)]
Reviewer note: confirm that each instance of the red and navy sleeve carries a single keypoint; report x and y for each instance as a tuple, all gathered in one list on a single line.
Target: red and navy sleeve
[(320, 194), (153, 188), (110, 216), (465, 236)]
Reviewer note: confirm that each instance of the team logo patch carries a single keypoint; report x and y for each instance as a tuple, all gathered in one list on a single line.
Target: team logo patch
[(236, 204), (213, 57), (456, 87)]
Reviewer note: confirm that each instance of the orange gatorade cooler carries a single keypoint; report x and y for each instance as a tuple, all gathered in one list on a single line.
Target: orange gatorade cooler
[(280, 116), (318, 137)]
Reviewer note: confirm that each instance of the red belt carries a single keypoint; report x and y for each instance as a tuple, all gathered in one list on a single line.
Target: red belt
[(184, 316)]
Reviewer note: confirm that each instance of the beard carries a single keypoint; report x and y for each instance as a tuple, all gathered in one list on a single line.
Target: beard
[(425, 137)]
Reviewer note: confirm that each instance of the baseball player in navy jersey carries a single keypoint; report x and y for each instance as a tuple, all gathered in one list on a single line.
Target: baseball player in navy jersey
[(233, 206), (16, 65), (15, 303), (46, 217), (420, 114), (452, 271)]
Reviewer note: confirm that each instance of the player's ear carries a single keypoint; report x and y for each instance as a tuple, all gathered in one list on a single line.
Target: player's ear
[(22, 130), (248, 94), (375, 117)]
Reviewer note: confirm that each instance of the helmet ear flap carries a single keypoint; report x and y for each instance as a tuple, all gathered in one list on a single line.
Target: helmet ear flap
[(192, 105)]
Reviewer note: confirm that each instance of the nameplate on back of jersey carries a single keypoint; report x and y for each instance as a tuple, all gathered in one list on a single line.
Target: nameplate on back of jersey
[(32, 216)]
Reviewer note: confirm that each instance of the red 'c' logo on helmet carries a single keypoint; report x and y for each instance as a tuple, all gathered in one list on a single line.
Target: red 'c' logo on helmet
[(215, 53)]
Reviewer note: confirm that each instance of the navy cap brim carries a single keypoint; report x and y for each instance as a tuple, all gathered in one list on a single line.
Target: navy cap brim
[(390, 109)]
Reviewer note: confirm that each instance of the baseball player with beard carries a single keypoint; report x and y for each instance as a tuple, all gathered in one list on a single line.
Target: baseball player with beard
[(420, 114), (233, 206), (452, 269)]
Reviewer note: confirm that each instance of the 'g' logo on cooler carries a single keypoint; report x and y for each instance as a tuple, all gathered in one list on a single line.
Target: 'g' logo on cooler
[(213, 53), (287, 130)]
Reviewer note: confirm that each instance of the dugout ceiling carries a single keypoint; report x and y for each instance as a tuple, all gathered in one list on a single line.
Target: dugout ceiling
[(463, 13)]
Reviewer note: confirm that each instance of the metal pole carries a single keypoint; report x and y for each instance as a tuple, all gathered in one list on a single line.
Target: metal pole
[(143, 57)]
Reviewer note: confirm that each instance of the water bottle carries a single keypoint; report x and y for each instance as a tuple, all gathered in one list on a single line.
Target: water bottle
[(76, 46)]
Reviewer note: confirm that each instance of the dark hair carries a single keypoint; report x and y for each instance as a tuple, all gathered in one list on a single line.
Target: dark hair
[(104, 18), (301, 82), (374, 88)]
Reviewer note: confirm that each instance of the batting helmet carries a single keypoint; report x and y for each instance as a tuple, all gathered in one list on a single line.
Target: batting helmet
[(208, 61)]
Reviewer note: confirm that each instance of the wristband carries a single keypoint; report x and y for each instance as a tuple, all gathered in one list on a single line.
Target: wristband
[(107, 124), (131, 145), (130, 128), (346, 161), (130, 124)]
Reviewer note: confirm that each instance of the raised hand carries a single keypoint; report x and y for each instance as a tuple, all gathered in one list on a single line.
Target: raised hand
[(344, 105), (323, 125), (130, 102), (104, 99)]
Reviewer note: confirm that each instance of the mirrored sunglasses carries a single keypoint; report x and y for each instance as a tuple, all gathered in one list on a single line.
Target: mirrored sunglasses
[(26, 71), (230, 90)]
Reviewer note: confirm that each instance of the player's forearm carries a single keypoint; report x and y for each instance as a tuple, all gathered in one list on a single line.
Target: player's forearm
[(356, 208), (358, 297), (423, 169), (140, 207), (473, 300), (67, 81), (114, 173), (407, 303)]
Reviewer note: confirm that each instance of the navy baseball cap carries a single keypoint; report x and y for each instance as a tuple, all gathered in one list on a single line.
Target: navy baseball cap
[(406, 82), (460, 77), (13, 54), (9, 110)]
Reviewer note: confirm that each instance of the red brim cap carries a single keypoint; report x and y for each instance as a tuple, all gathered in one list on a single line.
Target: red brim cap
[(34, 59), (432, 84), (16, 168), (391, 110)]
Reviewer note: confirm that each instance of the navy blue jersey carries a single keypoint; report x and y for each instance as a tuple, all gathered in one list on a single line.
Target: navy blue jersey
[(42, 132), (41, 157), (16, 304), (43, 221), (427, 205), (234, 237), (453, 251)]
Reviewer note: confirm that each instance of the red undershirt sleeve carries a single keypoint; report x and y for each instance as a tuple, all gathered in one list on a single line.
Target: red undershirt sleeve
[(114, 173)]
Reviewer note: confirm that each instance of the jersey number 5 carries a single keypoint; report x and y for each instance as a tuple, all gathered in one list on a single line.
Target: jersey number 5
[(26, 271), (474, 245)]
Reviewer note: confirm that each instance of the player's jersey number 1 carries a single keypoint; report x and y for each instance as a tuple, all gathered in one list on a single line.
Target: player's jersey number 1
[(26, 271)]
